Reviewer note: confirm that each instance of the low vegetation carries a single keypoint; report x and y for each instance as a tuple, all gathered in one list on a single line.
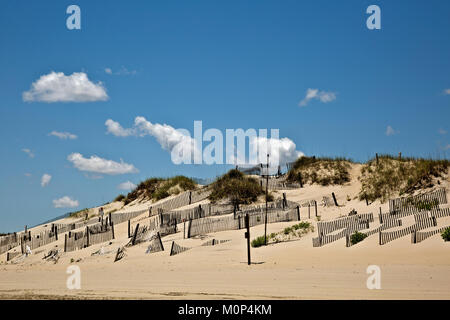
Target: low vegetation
[(79, 214), (389, 176), (322, 171), (446, 234), (295, 231), (236, 187), (357, 237), (158, 188), (120, 197)]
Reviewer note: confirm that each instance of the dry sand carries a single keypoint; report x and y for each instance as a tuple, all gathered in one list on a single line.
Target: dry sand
[(288, 270)]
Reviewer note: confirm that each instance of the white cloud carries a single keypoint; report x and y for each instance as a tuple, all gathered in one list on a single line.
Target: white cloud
[(45, 180), (390, 131), (167, 136), (442, 131), (128, 185), (281, 150), (322, 96), (108, 70), (100, 165), (29, 152), (63, 135), (57, 87), (447, 91), (447, 147), (116, 129), (27, 174), (65, 202)]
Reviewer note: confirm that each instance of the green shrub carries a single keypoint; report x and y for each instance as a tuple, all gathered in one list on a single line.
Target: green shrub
[(357, 237), (258, 242), (234, 185), (446, 234)]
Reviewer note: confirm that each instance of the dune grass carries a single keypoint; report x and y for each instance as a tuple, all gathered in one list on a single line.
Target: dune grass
[(236, 187), (391, 175), (323, 171), (159, 188)]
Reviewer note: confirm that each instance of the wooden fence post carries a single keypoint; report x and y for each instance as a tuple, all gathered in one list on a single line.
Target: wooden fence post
[(189, 228), (315, 205), (110, 219), (129, 230), (112, 230), (87, 236), (56, 233), (334, 199), (65, 242), (298, 213), (135, 234), (309, 211)]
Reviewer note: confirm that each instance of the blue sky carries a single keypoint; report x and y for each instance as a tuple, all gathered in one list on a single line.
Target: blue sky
[(231, 64)]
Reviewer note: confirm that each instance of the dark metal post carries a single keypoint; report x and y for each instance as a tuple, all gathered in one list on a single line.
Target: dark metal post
[(267, 190), (247, 235)]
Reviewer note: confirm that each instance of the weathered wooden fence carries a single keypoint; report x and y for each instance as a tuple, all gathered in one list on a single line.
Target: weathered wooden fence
[(419, 202), (347, 226), (209, 225), (419, 236), (91, 235), (177, 249)]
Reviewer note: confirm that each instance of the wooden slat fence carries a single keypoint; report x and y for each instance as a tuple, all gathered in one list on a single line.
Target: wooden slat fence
[(419, 236), (419, 202)]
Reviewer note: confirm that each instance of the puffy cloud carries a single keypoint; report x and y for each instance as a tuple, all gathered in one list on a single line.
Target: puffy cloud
[(442, 131), (63, 135), (116, 129), (167, 136), (447, 91), (65, 202), (29, 152), (45, 180), (108, 70), (128, 185), (27, 174), (100, 165), (281, 151), (322, 96), (57, 87), (390, 131)]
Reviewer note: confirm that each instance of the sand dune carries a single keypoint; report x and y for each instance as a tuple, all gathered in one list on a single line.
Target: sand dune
[(287, 270)]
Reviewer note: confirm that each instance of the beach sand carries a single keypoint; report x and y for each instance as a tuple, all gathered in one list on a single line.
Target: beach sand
[(287, 270)]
